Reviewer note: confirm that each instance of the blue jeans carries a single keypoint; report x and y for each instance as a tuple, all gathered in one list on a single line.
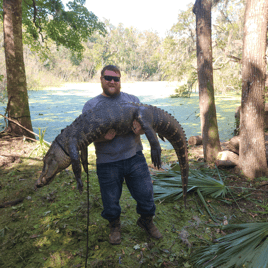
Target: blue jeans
[(138, 180)]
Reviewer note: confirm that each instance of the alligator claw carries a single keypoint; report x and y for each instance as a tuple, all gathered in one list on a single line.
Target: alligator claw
[(161, 137), (80, 186), (156, 157)]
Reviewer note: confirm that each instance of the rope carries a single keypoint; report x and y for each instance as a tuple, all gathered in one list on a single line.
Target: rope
[(87, 215)]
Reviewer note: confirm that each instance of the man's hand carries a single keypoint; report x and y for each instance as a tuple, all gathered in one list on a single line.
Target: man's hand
[(137, 128), (110, 134)]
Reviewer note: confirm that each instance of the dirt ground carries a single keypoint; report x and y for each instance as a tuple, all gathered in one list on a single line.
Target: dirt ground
[(12, 149)]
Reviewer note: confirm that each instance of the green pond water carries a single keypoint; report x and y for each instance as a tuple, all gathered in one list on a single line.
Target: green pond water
[(54, 109)]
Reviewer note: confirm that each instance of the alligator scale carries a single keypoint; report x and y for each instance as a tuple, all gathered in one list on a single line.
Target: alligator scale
[(94, 124)]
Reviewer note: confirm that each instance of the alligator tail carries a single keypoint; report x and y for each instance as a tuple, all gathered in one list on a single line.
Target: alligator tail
[(168, 127)]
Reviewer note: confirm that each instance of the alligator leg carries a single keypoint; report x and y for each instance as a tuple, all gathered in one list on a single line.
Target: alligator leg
[(75, 160), (154, 143), (84, 156)]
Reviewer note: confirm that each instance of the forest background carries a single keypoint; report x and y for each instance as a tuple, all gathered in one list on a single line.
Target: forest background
[(142, 56)]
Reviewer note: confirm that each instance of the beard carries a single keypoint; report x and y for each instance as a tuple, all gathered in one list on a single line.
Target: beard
[(111, 92)]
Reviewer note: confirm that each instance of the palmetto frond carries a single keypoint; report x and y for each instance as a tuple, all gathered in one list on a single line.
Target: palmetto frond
[(207, 184), (168, 185), (248, 246)]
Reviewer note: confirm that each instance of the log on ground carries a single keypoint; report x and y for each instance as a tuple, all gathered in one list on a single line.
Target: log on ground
[(195, 140), (227, 158), (233, 144)]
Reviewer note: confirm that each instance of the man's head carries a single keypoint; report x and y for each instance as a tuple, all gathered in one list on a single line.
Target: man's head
[(110, 81)]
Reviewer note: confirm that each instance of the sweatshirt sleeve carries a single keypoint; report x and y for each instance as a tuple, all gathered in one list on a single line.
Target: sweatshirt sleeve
[(90, 104)]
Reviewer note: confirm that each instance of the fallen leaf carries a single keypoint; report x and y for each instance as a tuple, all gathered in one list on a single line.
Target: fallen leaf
[(136, 247), (253, 215)]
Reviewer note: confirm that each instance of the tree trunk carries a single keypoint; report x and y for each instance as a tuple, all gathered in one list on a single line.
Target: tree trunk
[(209, 127), (18, 105), (252, 143)]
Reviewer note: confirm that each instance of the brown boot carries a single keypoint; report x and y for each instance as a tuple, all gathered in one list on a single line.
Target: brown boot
[(115, 232), (148, 225)]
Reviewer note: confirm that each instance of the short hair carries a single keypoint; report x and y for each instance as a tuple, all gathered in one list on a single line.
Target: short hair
[(111, 68)]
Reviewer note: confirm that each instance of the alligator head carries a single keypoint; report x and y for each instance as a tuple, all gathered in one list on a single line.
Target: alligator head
[(50, 169), (54, 162)]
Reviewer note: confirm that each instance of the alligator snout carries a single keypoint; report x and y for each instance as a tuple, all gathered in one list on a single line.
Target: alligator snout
[(50, 169), (42, 181), (38, 183)]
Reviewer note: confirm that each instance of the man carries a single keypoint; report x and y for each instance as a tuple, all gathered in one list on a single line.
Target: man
[(120, 157)]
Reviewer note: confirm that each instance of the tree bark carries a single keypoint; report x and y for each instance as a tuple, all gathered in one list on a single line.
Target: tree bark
[(18, 105), (252, 143), (209, 127)]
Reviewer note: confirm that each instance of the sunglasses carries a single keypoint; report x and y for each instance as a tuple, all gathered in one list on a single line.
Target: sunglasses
[(110, 78)]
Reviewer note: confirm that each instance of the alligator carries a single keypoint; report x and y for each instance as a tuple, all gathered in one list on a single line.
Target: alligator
[(94, 124)]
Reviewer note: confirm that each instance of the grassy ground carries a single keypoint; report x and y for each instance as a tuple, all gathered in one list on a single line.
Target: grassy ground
[(48, 229)]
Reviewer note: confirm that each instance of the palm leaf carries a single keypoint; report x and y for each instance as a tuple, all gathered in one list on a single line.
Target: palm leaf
[(205, 204), (247, 246), (166, 183), (168, 186), (207, 184)]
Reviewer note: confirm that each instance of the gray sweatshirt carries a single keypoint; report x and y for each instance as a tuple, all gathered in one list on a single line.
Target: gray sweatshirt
[(121, 147)]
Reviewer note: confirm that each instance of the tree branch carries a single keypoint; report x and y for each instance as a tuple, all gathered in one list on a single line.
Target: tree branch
[(15, 122), (34, 20), (35, 12), (236, 59)]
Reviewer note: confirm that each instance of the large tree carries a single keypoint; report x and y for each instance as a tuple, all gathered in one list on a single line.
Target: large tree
[(209, 126), (252, 155), (179, 49), (18, 106), (43, 20)]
